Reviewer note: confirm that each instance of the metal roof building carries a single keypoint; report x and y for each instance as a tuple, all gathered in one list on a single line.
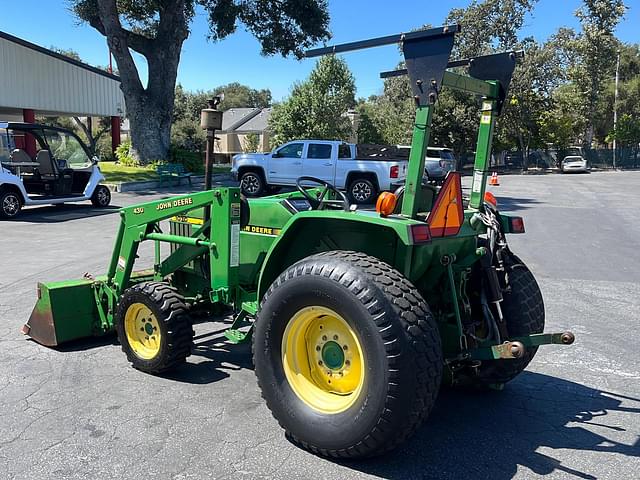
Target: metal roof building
[(34, 80)]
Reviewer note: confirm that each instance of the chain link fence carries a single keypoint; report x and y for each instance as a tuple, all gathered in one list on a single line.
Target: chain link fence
[(626, 157)]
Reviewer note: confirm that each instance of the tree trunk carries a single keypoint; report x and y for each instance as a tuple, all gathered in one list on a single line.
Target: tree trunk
[(149, 109), (150, 126), (588, 141), (525, 156), (86, 129)]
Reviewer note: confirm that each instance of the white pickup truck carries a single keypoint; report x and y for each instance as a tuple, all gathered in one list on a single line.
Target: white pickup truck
[(362, 171)]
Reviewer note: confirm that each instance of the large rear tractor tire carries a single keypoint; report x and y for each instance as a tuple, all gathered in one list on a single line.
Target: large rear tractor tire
[(523, 310), (347, 355), (153, 327)]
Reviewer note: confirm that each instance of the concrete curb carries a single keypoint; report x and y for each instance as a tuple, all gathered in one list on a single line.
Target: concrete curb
[(155, 184)]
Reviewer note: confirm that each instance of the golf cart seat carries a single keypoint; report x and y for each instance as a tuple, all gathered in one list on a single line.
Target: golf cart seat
[(19, 155), (45, 167)]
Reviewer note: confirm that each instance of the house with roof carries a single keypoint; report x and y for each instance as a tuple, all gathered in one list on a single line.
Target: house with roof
[(239, 125)]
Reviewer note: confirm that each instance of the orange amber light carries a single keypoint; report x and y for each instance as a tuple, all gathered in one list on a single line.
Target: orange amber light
[(386, 203), (491, 198)]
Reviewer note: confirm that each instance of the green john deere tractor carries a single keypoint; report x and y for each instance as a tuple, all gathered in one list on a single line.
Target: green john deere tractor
[(356, 317)]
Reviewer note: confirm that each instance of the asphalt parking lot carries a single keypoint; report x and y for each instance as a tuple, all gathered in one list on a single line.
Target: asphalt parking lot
[(83, 412)]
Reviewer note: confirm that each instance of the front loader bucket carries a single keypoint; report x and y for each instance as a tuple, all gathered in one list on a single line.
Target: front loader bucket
[(64, 311)]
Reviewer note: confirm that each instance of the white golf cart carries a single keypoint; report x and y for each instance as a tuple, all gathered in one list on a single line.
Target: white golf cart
[(43, 165)]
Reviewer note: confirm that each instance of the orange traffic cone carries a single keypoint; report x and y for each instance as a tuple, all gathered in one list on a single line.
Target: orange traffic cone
[(494, 179)]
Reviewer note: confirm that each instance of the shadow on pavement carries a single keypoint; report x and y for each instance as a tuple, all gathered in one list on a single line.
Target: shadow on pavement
[(62, 213), (87, 343), (514, 203), (221, 359), (493, 434)]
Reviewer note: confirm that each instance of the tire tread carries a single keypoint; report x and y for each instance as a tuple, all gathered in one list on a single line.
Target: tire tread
[(419, 327), (179, 336)]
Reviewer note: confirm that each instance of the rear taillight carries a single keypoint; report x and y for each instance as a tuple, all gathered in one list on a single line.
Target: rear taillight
[(393, 171), (420, 233), (517, 225)]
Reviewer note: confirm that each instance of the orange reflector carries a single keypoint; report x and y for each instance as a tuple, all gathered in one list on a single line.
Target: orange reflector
[(490, 198), (517, 225), (447, 214), (386, 203)]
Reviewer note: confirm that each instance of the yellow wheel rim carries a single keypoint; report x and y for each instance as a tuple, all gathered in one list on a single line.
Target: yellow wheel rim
[(143, 331), (323, 360)]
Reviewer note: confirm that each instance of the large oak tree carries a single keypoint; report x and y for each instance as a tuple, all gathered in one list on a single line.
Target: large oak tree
[(156, 29)]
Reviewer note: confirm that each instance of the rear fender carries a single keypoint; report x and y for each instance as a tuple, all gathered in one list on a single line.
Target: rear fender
[(313, 232)]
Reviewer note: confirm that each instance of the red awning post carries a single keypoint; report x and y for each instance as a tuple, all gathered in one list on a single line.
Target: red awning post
[(115, 133), (29, 116)]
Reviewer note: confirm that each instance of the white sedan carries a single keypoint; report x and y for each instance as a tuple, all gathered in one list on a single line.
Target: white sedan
[(574, 163)]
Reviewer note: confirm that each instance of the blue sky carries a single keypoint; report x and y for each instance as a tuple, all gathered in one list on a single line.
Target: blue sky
[(205, 65)]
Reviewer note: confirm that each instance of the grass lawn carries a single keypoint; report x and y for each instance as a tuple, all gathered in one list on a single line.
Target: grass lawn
[(114, 172)]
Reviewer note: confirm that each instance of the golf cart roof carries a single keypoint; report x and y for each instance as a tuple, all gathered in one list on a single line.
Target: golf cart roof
[(30, 126)]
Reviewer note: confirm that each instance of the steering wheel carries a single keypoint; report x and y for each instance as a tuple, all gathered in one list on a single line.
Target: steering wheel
[(318, 202)]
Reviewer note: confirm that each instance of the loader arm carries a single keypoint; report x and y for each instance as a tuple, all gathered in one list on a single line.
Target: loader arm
[(79, 308), (141, 222)]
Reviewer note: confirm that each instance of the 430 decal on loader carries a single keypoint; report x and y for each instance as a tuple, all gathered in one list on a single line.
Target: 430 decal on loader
[(356, 317)]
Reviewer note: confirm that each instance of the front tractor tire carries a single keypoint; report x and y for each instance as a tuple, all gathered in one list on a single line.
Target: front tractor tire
[(347, 355), (153, 327), (523, 310)]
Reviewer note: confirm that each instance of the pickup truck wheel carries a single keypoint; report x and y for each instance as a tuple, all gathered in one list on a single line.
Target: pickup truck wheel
[(362, 191), (252, 184), (10, 204)]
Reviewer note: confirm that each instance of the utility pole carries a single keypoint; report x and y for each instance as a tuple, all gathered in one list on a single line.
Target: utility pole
[(615, 110)]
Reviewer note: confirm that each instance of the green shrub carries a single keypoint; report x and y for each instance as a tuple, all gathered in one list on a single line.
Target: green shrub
[(123, 154), (251, 143), (192, 161), (186, 134), (103, 149)]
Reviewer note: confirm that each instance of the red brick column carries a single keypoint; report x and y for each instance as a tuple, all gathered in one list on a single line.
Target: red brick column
[(115, 133), (29, 116)]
